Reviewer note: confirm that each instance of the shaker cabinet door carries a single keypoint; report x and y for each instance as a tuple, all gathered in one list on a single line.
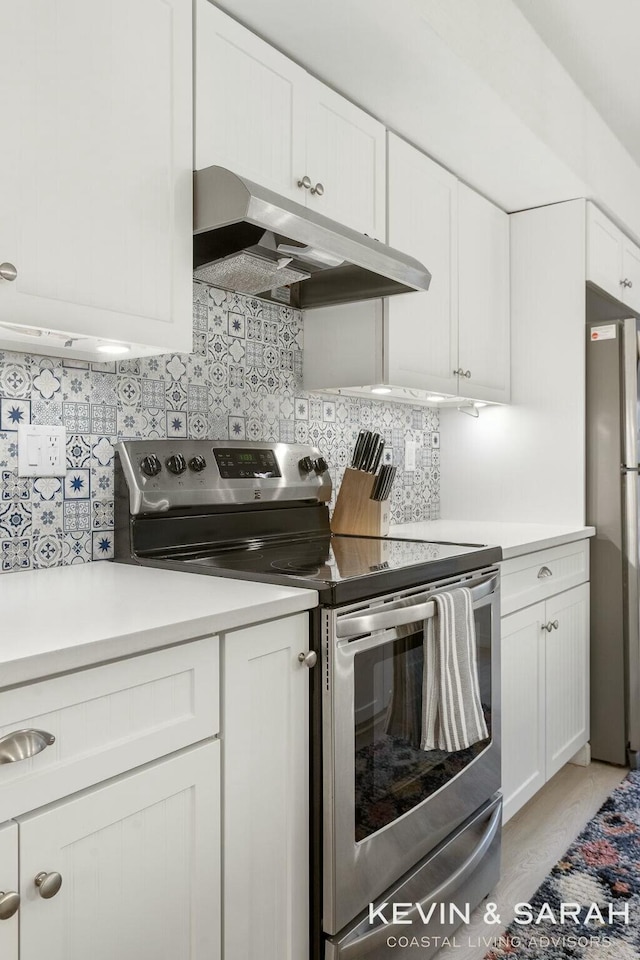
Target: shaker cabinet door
[(523, 706), (248, 105), (9, 884), (604, 253), (139, 860), (95, 169), (423, 215), (483, 298), (631, 273), (345, 161), (567, 676)]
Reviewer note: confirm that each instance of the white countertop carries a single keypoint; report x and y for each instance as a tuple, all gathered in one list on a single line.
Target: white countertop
[(515, 539), (69, 617)]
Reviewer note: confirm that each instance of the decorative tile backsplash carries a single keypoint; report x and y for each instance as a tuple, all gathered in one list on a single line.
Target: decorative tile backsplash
[(242, 382)]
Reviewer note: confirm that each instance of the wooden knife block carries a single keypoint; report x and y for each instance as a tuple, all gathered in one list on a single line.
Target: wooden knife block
[(355, 513)]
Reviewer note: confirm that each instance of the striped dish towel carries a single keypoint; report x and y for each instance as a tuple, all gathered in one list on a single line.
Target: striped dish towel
[(452, 717)]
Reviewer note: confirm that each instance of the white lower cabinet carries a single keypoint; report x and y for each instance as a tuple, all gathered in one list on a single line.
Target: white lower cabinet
[(265, 791), (9, 886), (545, 692), (139, 861)]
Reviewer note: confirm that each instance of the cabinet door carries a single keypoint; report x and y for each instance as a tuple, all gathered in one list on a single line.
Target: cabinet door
[(631, 273), (9, 884), (248, 105), (346, 155), (483, 298), (265, 792), (423, 327), (95, 169), (604, 252), (567, 676), (140, 861), (523, 706)]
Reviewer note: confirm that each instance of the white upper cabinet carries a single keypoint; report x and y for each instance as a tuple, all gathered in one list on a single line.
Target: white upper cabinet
[(483, 298), (423, 217), (613, 261), (267, 119), (95, 171), (249, 105)]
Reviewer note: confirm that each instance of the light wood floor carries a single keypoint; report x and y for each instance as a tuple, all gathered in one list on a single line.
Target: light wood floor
[(533, 841)]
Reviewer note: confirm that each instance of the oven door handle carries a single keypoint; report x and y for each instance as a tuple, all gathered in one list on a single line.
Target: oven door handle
[(357, 624), (366, 938)]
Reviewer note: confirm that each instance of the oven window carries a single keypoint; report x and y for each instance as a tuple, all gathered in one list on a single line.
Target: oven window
[(392, 773)]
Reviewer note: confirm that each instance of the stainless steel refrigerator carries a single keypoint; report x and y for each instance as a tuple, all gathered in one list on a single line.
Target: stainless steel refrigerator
[(612, 507)]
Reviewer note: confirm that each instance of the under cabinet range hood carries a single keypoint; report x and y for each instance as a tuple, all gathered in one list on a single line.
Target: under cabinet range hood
[(250, 240)]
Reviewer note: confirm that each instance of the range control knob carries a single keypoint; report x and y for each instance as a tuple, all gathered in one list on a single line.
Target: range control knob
[(321, 465), (306, 465), (197, 464), (150, 465), (176, 463)]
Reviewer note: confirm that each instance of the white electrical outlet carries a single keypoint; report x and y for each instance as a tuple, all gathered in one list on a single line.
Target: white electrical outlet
[(42, 451), (410, 455)]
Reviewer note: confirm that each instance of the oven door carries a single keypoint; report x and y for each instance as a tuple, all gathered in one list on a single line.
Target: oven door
[(387, 802)]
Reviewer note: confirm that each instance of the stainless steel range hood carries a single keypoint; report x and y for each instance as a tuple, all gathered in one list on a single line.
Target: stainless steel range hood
[(251, 240)]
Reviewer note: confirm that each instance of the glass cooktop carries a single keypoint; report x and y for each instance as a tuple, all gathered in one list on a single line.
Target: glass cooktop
[(343, 568)]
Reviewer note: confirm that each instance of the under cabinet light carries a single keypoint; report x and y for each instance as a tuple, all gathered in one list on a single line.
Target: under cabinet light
[(380, 389), (115, 349)]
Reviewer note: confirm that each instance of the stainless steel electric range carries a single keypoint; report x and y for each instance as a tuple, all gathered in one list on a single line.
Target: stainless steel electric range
[(390, 822)]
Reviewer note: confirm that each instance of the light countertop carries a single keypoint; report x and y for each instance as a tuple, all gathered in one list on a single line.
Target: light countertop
[(515, 539), (69, 617)]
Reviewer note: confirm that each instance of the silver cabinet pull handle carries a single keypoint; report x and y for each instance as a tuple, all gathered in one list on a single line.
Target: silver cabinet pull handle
[(9, 903), (8, 271), (318, 189), (626, 283), (544, 572), (48, 884), (305, 183), (23, 744), (308, 659)]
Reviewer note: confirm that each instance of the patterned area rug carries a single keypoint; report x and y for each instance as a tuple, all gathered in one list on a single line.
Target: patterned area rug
[(600, 872)]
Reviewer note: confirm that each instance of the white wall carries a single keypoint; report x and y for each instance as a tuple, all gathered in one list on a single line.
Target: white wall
[(525, 462)]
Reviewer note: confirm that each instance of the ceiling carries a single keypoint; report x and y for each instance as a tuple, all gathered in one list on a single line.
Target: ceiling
[(597, 43)]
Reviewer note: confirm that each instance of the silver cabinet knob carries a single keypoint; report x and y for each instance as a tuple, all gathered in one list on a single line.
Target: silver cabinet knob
[(624, 283), (48, 884), (23, 744), (8, 271), (467, 374), (305, 183), (459, 372), (9, 903), (544, 572), (547, 626), (308, 659), (555, 624), (318, 189)]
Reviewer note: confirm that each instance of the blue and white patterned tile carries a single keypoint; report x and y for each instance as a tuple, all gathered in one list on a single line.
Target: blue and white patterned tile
[(47, 488), (15, 518), (102, 452), (102, 482), (197, 426), (129, 423), (154, 423), (197, 398), (46, 551), (77, 385), (237, 428), (175, 367), (176, 423), (301, 434), (14, 487), (315, 408), (153, 394), (76, 516), (15, 377), (102, 545), (329, 411), (129, 392), (14, 413), (77, 416), (78, 451), (46, 517), (76, 547), (15, 554), (104, 389), (130, 366), (270, 332), (77, 485), (153, 368), (236, 351), (176, 396), (236, 324), (254, 328), (301, 406), (102, 514), (104, 366), (47, 381), (46, 412)]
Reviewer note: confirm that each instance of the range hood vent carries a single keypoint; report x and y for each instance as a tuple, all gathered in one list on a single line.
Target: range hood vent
[(250, 240)]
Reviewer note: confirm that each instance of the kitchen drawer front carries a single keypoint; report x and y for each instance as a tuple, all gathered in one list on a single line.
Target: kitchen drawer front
[(536, 576), (108, 719)]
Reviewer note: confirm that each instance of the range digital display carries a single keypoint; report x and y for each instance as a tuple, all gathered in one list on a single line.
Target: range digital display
[(244, 464)]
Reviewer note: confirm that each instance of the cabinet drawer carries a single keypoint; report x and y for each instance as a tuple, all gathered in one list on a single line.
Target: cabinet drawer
[(108, 719), (536, 576)]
